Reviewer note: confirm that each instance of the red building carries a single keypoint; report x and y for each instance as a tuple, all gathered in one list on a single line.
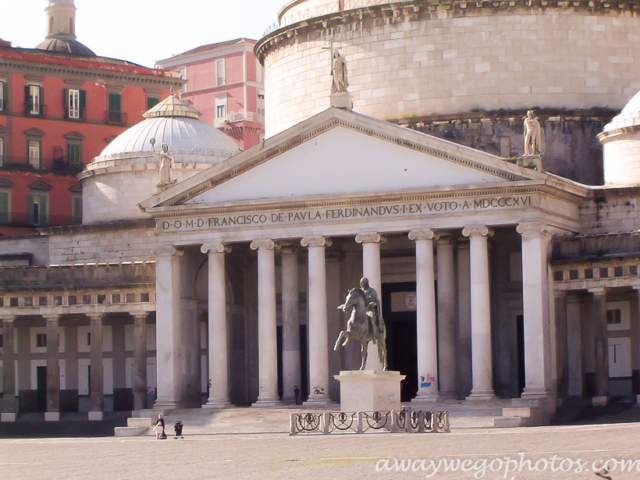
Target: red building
[(224, 81), (60, 105)]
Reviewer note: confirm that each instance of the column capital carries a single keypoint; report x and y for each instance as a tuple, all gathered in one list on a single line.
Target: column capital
[(560, 293), (370, 238), (445, 238), (532, 228), (477, 230), (167, 251), (289, 248), (315, 241), (263, 244), (422, 234), (216, 247), (51, 318), (92, 316), (8, 319), (142, 315)]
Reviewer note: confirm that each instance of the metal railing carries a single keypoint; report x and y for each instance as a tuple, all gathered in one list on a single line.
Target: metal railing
[(38, 110), (410, 421), (75, 114), (55, 165), (116, 116), (22, 219)]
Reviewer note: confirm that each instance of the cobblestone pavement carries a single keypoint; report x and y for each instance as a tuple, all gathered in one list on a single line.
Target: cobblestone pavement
[(203, 454)]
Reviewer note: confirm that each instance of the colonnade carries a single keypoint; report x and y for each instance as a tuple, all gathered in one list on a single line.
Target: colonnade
[(435, 350), (96, 380)]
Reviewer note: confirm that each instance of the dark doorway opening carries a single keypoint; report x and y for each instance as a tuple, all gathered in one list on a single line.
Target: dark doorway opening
[(398, 310), (520, 343), (41, 387), (304, 377)]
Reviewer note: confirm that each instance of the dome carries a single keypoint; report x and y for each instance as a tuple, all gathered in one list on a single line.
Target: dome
[(175, 123), (65, 45)]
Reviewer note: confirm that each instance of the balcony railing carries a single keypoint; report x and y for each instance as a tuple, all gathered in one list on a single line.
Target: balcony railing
[(56, 165), (116, 117), (22, 219), (239, 116), (37, 110), (75, 114)]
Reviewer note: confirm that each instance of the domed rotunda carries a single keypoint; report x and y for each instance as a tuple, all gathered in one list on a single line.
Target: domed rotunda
[(128, 170), (621, 142)]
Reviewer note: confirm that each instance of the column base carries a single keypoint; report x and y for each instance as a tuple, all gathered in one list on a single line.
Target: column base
[(426, 397), (534, 393), (482, 396), (267, 402), (163, 404), (8, 417), (51, 416), (96, 416), (318, 400), (599, 401), (217, 405)]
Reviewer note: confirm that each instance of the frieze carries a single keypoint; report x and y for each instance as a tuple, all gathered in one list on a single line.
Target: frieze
[(342, 213)]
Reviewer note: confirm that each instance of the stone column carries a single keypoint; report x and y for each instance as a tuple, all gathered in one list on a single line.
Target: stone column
[(267, 327), (139, 361), (10, 411), (97, 368), (481, 353), (574, 347), (291, 375), (167, 324), (218, 340), (447, 320), (601, 345), (560, 308), (535, 291), (464, 319), (426, 316), (371, 269), (53, 368), (318, 325)]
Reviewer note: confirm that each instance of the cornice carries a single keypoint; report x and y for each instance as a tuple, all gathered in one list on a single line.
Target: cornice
[(413, 10)]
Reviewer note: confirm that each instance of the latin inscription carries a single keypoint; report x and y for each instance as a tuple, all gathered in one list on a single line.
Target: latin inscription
[(343, 213)]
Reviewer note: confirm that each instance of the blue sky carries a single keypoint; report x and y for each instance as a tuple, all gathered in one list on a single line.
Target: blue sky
[(143, 31)]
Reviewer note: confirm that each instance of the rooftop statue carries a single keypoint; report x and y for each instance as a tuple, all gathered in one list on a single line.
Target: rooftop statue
[(365, 323), (164, 164), (339, 72), (531, 135)]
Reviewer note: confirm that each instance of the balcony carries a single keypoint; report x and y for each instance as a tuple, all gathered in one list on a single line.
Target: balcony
[(239, 116), (78, 114), (22, 219), (35, 110), (61, 166), (116, 117)]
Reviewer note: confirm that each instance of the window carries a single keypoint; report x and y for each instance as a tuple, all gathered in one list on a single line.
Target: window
[(4, 207), (41, 340), (183, 75), (33, 99), (259, 72), (152, 102), (1, 343), (3, 106), (76, 103), (220, 73), (1, 151), (37, 209), (74, 153), (76, 209), (221, 110), (115, 105), (34, 153), (614, 317)]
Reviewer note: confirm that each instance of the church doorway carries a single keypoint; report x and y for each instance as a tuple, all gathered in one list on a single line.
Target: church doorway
[(399, 313)]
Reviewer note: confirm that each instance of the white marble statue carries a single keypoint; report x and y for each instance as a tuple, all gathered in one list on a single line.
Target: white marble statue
[(339, 72), (164, 162), (531, 135)]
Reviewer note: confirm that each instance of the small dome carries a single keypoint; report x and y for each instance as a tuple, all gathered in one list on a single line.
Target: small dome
[(62, 44), (176, 123)]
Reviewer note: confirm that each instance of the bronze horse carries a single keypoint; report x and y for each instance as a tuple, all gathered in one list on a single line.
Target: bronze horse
[(359, 327)]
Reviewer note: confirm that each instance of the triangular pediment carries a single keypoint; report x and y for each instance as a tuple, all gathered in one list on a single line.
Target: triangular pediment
[(340, 153)]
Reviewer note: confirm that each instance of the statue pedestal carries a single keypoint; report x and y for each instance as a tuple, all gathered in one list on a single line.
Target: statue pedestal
[(341, 100), (535, 159), (369, 390)]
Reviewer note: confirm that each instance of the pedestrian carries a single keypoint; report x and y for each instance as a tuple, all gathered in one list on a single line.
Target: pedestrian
[(296, 393), (159, 428)]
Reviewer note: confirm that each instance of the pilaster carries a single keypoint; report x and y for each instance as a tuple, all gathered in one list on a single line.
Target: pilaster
[(10, 410), (139, 361), (97, 368), (53, 368)]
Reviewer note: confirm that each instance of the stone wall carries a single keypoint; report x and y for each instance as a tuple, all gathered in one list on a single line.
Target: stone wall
[(610, 211), (102, 245), (456, 57), (36, 245)]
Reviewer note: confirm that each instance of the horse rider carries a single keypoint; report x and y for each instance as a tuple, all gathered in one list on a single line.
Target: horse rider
[(372, 303)]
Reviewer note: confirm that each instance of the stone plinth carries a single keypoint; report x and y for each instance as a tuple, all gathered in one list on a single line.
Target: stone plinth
[(341, 100), (369, 390)]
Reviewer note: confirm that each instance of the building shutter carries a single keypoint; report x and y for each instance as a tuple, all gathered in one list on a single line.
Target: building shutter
[(83, 102), (27, 100), (31, 219), (44, 210), (4, 207)]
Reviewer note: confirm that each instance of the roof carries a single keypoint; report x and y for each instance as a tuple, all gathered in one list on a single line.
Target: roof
[(211, 46), (78, 61), (64, 44)]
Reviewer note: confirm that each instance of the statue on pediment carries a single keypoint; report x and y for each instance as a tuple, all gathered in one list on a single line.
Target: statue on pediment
[(339, 72), (531, 135), (164, 162)]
